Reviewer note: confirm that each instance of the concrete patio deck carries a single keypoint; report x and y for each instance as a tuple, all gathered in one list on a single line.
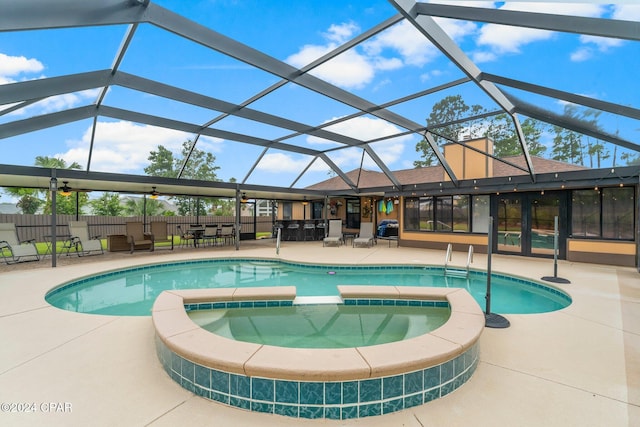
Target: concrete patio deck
[(577, 366)]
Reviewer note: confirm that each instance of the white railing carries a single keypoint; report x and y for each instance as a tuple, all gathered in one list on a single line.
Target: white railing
[(457, 272)]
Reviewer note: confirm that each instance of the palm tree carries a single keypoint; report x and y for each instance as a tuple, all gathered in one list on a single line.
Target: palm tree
[(57, 163)]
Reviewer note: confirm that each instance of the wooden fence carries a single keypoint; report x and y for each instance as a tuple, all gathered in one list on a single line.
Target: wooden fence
[(39, 226)]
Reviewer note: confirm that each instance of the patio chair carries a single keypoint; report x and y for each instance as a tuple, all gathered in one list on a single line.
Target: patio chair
[(365, 236), (335, 233), (160, 234), (79, 238), (137, 238), (12, 249), (210, 235), (228, 233), (185, 237)]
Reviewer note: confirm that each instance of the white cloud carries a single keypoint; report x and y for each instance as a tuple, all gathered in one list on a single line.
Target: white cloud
[(349, 70), (403, 39), (501, 39), (340, 33), (602, 43), (582, 54), (365, 129), (124, 147), (281, 162), (11, 66), (628, 12), (399, 46), (480, 57)]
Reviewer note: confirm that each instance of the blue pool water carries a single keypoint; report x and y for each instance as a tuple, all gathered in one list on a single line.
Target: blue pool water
[(131, 292), (323, 325)]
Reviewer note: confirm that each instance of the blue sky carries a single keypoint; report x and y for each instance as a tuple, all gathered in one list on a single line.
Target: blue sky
[(393, 64)]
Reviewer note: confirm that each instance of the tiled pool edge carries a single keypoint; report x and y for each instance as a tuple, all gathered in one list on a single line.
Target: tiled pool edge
[(337, 400), (383, 387)]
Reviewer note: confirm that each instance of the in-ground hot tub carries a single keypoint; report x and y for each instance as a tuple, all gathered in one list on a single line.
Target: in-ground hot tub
[(337, 383)]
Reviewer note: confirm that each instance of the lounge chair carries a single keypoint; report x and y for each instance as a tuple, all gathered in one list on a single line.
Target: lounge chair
[(12, 249), (79, 232), (335, 233), (365, 237), (137, 238), (160, 234)]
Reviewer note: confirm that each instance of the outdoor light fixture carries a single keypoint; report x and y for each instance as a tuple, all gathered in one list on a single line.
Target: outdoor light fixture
[(154, 194), (305, 202), (65, 190), (53, 184)]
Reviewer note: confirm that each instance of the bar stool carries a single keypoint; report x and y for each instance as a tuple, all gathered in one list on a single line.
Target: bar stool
[(309, 230), (292, 230)]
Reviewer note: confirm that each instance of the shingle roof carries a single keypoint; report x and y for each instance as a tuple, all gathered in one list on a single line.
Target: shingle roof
[(364, 178)]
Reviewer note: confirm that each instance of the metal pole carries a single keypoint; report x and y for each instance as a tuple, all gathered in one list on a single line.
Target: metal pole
[(555, 277), (53, 186), (489, 250), (555, 246), (492, 320)]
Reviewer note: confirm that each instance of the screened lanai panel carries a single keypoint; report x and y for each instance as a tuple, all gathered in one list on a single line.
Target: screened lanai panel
[(449, 105), (122, 146), (399, 152), (317, 172), (160, 55), (36, 54), (310, 22), (278, 168), (581, 119), (57, 142), (294, 102), (147, 103), (249, 127), (48, 105)]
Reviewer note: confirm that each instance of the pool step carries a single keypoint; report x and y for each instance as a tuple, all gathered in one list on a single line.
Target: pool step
[(329, 299)]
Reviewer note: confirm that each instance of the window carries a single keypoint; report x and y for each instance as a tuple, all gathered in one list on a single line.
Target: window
[(426, 214), (480, 211), (412, 214), (316, 210), (585, 215), (617, 213), (445, 213), (604, 214), (353, 213), (287, 210), (460, 214)]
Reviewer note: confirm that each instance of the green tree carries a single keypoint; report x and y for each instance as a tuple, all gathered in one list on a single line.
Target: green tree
[(505, 138), (28, 199), (107, 205), (201, 166), (64, 205), (136, 207), (162, 163), (450, 109), (29, 204), (567, 146)]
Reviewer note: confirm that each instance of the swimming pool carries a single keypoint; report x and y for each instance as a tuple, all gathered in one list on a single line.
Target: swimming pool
[(132, 291)]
